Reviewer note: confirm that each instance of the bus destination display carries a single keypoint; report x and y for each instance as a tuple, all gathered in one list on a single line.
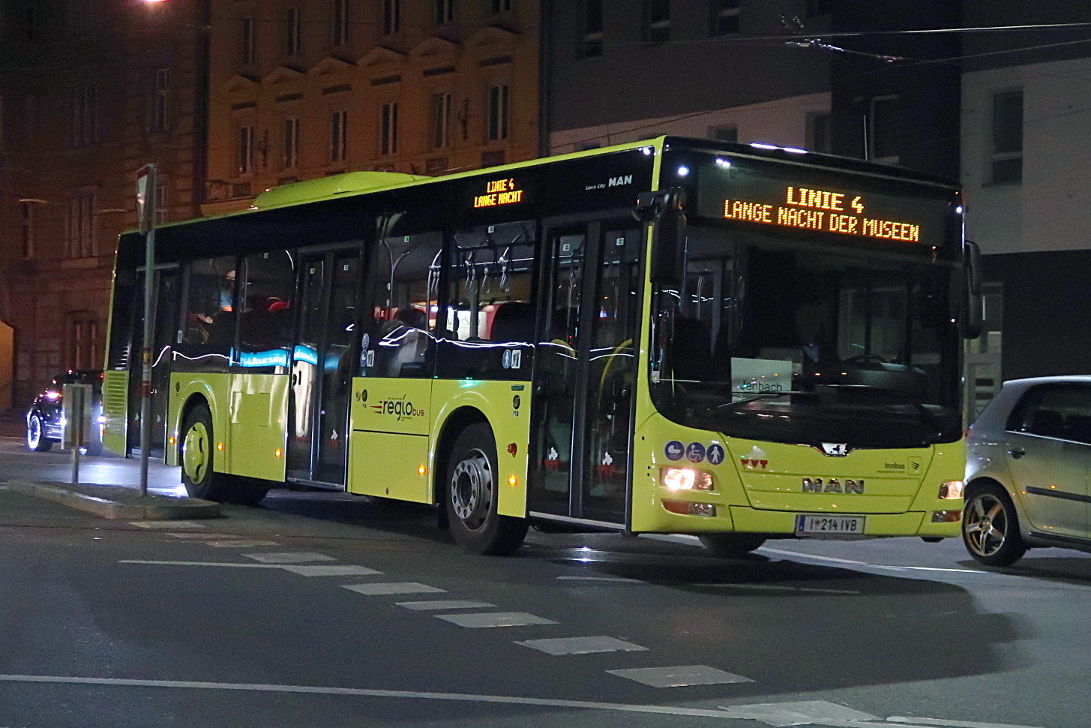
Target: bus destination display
[(499, 192), (735, 194)]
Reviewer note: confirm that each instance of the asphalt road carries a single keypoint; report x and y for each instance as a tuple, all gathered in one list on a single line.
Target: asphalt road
[(325, 610)]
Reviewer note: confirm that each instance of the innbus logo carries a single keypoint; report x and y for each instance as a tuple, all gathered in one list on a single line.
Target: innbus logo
[(402, 408)]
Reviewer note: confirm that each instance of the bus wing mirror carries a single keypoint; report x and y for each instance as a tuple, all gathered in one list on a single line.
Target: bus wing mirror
[(667, 210), (974, 320)]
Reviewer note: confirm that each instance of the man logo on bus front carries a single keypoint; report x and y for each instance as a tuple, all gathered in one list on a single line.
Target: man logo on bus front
[(835, 449)]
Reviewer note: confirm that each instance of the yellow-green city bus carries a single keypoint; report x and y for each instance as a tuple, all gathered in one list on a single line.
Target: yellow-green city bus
[(741, 342)]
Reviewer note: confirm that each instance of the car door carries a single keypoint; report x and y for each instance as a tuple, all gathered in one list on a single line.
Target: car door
[(1048, 448)]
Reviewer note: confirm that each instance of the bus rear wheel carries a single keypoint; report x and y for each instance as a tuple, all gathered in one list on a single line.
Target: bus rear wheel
[(471, 497), (731, 545), (200, 479)]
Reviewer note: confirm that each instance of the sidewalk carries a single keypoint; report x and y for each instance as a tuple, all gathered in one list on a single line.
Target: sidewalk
[(110, 501)]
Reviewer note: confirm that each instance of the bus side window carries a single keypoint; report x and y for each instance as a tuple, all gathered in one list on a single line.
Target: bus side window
[(208, 326), (403, 281), (491, 278), (265, 292)]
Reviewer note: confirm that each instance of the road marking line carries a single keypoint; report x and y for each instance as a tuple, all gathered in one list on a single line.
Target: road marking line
[(493, 619), (680, 676), (864, 563), (811, 556), (581, 645), (930, 568), (199, 563), (778, 587), (440, 604), (951, 723), (292, 557), (367, 693), (329, 570), (804, 712), (398, 587), (618, 579), (240, 543), (200, 535), (167, 524)]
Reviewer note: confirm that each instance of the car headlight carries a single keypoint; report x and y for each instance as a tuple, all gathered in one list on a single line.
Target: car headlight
[(951, 490), (685, 479)]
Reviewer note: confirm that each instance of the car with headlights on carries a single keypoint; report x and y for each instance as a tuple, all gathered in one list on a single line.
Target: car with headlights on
[(1027, 471), (45, 423)]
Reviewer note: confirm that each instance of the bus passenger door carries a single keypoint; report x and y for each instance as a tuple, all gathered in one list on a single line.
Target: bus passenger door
[(166, 326), (321, 368), (585, 371)]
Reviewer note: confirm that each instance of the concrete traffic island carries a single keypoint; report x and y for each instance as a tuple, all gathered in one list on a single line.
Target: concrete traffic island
[(118, 503)]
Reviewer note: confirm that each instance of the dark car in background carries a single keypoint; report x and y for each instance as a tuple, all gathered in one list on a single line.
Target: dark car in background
[(44, 419)]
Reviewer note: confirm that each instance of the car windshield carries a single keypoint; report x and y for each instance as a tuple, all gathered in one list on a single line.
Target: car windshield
[(777, 339)]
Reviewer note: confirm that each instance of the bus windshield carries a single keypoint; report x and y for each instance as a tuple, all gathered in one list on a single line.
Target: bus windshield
[(776, 337)]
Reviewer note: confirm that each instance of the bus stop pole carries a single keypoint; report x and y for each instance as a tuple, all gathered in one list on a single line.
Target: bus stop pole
[(147, 224)]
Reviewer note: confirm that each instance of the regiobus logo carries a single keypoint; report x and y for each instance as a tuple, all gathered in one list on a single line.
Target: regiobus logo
[(401, 408)]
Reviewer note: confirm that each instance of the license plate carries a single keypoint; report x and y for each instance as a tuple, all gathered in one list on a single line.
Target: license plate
[(816, 525)]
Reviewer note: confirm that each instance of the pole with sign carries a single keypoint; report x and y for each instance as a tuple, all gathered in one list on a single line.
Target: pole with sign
[(145, 210)]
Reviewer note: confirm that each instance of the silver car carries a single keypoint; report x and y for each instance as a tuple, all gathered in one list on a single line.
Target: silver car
[(1028, 470)]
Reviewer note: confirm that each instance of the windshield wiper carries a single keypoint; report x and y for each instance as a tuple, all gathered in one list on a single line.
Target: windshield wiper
[(754, 398)]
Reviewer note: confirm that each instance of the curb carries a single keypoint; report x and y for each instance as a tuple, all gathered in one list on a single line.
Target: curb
[(184, 509)]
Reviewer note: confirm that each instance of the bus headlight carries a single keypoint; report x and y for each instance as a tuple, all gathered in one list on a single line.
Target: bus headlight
[(951, 490), (685, 479)]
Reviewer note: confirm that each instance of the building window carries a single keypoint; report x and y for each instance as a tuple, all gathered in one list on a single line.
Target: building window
[(80, 224), (501, 6), (439, 135), (159, 122), (162, 199), (818, 136), (657, 21), (26, 215), (884, 131), (724, 133), (591, 43), (84, 345), (340, 22), (388, 129), (392, 16), (246, 149), (338, 136), (445, 11), (498, 113), (1006, 163), (83, 119), (725, 17), (246, 41), (290, 158), (295, 32)]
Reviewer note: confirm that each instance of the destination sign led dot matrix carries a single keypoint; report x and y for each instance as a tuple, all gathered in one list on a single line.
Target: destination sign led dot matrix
[(499, 192), (826, 210)]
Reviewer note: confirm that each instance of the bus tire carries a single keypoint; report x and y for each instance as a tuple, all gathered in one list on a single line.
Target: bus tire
[(731, 545), (200, 479), (471, 490), (246, 491)]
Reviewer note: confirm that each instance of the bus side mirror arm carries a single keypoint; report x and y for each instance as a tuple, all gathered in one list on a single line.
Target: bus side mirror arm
[(974, 321), (666, 209)]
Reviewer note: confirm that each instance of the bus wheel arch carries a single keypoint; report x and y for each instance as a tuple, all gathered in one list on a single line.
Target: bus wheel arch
[(467, 487)]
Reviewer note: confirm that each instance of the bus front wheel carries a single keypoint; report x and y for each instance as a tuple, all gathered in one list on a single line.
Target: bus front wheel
[(731, 545), (471, 496), (197, 454)]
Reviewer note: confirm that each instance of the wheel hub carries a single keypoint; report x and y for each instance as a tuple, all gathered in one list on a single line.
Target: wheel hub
[(195, 452), (471, 489)]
